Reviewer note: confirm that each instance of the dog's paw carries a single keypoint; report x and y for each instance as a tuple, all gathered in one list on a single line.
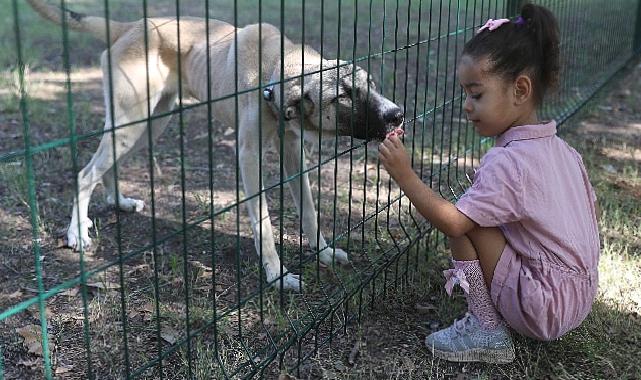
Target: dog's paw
[(75, 237), (132, 205), (127, 204), (339, 255), (291, 281)]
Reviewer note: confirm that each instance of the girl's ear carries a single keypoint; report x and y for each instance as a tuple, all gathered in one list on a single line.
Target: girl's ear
[(523, 90)]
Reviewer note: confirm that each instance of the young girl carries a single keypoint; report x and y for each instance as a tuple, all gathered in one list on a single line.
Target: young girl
[(524, 236)]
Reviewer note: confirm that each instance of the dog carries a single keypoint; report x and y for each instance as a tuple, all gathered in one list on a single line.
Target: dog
[(345, 102)]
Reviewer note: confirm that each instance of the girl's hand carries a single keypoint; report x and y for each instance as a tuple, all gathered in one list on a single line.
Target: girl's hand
[(395, 158)]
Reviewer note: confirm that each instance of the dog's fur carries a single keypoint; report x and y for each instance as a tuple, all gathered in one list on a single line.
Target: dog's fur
[(346, 100)]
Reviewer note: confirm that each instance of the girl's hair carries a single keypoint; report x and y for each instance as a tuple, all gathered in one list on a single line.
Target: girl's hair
[(529, 44)]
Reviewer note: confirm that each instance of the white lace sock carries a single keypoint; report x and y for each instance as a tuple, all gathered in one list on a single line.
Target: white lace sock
[(469, 275)]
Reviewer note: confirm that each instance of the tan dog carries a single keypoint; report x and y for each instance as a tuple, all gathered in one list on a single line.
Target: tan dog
[(346, 103)]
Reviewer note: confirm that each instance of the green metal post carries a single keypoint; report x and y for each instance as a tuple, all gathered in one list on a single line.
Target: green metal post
[(636, 47)]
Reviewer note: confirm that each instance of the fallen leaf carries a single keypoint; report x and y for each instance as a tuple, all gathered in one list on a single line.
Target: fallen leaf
[(137, 268), (35, 311), (169, 334), (32, 336), (148, 310), (104, 285), (61, 369), (17, 294), (72, 292)]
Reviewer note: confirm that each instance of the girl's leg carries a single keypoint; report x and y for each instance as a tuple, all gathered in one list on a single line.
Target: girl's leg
[(483, 244), (481, 335), (476, 255)]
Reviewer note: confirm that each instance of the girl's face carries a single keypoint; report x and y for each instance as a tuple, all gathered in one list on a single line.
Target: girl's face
[(492, 104)]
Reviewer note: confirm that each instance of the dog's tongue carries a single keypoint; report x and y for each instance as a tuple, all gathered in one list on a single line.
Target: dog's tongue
[(398, 131)]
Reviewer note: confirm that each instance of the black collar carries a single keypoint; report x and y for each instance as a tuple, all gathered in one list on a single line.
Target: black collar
[(268, 93)]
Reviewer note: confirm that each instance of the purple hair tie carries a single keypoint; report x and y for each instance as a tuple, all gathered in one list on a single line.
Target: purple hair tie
[(519, 21)]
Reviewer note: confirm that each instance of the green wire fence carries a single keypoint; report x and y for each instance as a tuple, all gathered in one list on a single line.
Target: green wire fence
[(177, 290)]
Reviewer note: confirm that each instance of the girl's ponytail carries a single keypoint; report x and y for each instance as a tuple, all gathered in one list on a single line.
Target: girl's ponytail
[(543, 27), (528, 44)]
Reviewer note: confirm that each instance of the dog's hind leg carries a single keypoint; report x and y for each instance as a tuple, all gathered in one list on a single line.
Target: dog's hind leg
[(257, 205), (294, 163), (91, 175), (129, 105), (158, 125)]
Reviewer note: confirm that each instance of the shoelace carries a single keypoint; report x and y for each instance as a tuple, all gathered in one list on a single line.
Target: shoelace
[(462, 325)]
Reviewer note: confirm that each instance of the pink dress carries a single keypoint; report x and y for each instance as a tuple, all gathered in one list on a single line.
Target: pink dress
[(534, 186)]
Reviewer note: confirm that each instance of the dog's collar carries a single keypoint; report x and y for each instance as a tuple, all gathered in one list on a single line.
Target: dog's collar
[(268, 93)]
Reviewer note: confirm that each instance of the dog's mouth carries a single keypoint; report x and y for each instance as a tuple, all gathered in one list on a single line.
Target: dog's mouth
[(395, 129), (373, 134)]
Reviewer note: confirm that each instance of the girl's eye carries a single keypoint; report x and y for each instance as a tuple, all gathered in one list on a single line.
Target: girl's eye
[(476, 96)]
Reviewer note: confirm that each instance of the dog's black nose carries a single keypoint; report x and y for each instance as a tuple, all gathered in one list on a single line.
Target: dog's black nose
[(394, 117)]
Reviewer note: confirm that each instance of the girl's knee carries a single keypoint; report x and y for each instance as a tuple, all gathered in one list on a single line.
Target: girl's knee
[(462, 248)]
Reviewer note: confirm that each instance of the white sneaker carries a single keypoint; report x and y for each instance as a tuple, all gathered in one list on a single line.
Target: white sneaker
[(467, 341)]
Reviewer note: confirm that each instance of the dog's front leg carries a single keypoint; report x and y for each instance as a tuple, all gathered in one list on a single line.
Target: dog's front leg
[(259, 215), (294, 163)]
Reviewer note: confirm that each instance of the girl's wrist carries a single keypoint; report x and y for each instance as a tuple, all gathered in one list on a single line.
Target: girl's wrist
[(406, 177)]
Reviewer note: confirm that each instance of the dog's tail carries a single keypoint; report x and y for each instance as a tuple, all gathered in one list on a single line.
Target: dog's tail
[(96, 26)]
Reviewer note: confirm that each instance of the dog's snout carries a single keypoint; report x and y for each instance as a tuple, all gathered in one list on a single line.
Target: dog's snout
[(394, 116)]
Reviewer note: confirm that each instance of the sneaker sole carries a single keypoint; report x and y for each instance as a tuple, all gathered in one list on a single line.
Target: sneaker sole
[(476, 355)]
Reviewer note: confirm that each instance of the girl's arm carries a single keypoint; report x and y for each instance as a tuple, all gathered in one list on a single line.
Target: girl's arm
[(440, 212)]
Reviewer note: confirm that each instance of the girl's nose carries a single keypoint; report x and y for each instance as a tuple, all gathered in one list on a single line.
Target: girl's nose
[(467, 105)]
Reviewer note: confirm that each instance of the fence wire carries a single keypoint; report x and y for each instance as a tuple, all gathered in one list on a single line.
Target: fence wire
[(177, 290)]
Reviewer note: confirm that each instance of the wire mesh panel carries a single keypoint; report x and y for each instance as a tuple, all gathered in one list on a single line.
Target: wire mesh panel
[(177, 281)]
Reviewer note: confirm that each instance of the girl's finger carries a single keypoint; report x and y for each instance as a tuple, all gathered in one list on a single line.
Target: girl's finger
[(382, 149), (396, 141), (389, 144)]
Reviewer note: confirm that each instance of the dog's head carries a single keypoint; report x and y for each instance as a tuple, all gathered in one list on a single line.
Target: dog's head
[(340, 100)]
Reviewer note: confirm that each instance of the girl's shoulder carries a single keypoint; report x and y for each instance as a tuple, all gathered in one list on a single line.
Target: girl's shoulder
[(499, 156), (500, 161)]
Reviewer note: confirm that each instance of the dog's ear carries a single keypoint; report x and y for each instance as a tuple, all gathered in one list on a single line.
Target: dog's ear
[(297, 103)]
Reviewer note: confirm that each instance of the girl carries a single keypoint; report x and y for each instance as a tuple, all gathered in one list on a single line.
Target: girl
[(524, 236)]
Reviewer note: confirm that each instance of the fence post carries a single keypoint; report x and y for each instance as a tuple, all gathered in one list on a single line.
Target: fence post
[(636, 47), (513, 7)]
